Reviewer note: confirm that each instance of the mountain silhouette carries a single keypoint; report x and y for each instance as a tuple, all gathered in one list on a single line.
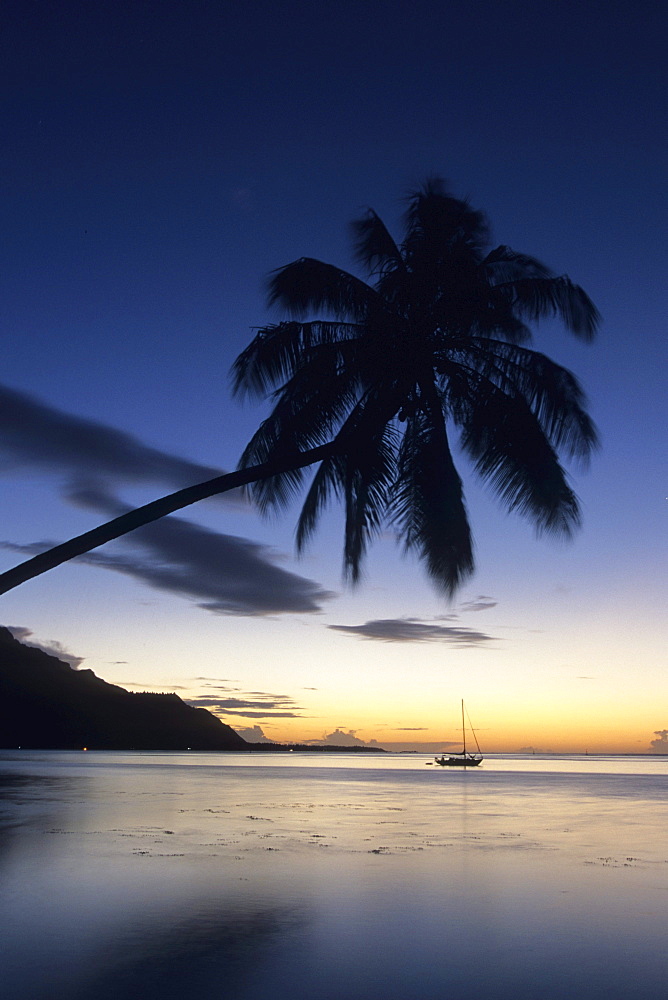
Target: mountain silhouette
[(47, 705)]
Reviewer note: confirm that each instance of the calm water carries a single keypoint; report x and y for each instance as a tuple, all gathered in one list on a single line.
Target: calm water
[(323, 878)]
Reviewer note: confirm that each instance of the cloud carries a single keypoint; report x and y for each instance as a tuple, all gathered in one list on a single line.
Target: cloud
[(253, 734), (480, 603), (660, 745), (224, 574), (340, 738), (36, 436), (410, 630), (53, 647), (256, 705), (219, 682)]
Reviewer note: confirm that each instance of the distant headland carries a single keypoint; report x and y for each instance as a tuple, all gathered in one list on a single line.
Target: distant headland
[(47, 705)]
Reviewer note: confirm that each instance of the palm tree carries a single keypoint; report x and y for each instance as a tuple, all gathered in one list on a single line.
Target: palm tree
[(436, 342)]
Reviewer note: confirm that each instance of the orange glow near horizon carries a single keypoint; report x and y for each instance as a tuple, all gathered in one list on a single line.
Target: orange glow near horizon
[(516, 735)]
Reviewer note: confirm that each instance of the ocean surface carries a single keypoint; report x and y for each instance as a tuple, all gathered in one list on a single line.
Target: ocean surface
[(303, 877)]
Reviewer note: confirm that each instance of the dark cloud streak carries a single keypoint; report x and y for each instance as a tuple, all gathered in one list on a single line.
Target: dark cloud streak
[(224, 574), (249, 705), (409, 630), (34, 435)]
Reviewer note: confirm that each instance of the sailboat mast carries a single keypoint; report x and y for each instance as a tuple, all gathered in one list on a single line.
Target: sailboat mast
[(463, 728)]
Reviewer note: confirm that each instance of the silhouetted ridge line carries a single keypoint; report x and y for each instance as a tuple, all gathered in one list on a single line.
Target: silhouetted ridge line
[(46, 705)]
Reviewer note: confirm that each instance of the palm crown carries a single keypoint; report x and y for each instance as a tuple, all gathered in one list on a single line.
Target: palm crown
[(436, 340)]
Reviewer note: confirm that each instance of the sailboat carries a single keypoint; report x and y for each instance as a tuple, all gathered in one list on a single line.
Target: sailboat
[(463, 759)]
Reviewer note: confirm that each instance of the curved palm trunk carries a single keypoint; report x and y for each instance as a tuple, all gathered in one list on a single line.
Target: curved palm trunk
[(153, 511)]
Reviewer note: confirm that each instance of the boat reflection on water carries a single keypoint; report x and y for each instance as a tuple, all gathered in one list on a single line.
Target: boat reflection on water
[(465, 758)]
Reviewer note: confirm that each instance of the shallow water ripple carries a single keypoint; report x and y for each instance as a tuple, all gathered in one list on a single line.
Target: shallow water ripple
[(178, 876)]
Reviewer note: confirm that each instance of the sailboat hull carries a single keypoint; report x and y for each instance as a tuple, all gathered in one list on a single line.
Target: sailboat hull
[(459, 761)]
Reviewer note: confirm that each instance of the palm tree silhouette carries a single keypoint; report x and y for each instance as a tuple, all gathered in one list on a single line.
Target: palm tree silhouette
[(436, 340)]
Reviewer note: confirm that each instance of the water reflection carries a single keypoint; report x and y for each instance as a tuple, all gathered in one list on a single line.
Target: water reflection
[(212, 953), (167, 876)]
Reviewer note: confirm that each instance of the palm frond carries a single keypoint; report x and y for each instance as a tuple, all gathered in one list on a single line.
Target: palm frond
[(327, 482), (552, 393), (511, 452), (428, 503), (437, 224), (506, 264), (309, 410), (476, 311), (309, 284), (361, 471), (496, 322), (278, 350), (373, 246), (275, 492), (370, 475), (537, 298)]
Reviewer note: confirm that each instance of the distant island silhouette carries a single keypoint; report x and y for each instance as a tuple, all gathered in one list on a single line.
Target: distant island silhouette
[(45, 704)]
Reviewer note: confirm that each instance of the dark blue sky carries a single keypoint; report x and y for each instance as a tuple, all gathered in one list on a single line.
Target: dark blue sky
[(159, 159)]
